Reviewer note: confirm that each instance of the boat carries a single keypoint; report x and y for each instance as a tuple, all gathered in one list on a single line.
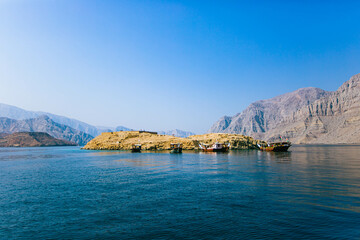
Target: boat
[(176, 148), (275, 146), (136, 148), (216, 147)]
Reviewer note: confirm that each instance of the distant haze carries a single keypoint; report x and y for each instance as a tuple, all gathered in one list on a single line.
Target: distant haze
[(162, 65)]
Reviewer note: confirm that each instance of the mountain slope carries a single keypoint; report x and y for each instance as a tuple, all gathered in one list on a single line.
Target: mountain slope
[(308, 115), (44, 124), (32, 139), (334, 119), (263, 115), (13, 112)]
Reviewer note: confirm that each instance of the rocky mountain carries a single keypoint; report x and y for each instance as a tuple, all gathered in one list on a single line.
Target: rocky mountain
[(44, 124), (32, 139), (176, 133), (13, 112), (261, 116), (334, 119), (308, 115)]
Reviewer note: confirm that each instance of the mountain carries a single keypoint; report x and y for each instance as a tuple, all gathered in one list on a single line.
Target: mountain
[(308, 115), (330, 120), (32, 139), (176, 133), (261, 116), (121, 128), (13, 112), (44, 124)]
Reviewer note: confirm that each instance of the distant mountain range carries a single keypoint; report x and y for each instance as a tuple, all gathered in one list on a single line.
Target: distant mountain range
[(13, 112), (14, 119), (307, 115), (47, 125), (177, 133), (31, 139)]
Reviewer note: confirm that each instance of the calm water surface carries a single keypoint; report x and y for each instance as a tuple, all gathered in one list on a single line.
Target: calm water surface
[(312, 192)]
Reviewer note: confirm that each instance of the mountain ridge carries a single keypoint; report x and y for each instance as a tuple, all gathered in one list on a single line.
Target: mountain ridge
[(177, 133), (306, 115), (17, 113), (44, 124)]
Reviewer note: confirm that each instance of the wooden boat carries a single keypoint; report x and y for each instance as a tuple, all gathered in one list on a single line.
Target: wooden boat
[(275, 146), (216, 147), (176, 148), (136, 148)]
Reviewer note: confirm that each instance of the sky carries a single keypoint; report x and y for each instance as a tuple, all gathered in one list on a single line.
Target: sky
[(161, 65)]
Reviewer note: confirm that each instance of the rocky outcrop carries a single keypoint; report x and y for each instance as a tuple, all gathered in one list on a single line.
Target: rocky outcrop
[(308, 115), (32, 139), (124, 141), (44, 124)]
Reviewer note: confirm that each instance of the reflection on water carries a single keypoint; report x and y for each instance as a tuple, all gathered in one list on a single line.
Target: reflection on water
[(309, 192), (279, 157)]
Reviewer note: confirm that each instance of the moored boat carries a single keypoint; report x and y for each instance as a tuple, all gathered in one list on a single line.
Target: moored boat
[(136, 148), (216, 147), (176, 148), (275, 146)]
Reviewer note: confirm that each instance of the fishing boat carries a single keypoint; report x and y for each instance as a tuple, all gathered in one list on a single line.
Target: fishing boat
[(136, 148), (275, 146), (216, 147), (176, 148)]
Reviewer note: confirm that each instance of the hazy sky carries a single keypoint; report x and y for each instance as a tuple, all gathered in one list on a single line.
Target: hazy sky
[(161, 65)]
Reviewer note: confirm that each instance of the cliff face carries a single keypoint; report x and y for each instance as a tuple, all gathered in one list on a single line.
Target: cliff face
[(32, 139), (333, 119), (263, 115), (44, 124), (125, 140), (308, 115)]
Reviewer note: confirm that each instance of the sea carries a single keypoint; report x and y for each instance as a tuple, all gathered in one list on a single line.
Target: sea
[(310, 192)]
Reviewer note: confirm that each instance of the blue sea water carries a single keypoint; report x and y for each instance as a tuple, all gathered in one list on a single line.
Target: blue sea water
[(311, 192)]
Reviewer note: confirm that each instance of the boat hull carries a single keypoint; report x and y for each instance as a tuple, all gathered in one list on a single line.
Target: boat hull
[(178, 150), (215, 150), (275, 149)]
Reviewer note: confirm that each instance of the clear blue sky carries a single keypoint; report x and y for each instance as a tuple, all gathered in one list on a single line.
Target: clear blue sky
[(170, 64)]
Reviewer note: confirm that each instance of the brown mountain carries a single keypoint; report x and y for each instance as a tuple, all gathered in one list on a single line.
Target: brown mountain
[(32, 139), (44, 124), (308, 115)]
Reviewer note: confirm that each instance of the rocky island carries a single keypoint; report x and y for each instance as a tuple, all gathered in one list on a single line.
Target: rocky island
[(153, 141)]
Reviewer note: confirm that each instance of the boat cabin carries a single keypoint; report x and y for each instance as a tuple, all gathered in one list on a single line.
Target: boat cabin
[(176, 148), (136, 148), (175, 145), (216, 147)]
